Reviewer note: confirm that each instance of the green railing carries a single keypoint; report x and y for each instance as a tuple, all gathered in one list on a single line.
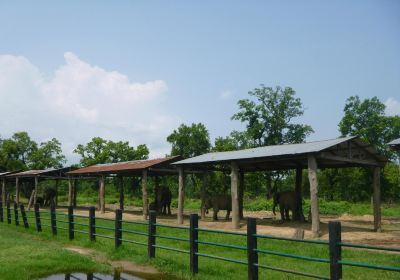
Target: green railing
[(72, 223)]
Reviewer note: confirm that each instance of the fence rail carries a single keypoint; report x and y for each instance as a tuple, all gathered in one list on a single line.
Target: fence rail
[(252, 262)]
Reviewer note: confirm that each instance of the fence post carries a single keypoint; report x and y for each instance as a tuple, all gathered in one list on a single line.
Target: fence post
[(37, 218), (1, 211), (16, 214), (71, 222), (23, 214), (8, 213), (335, 249), (53, 219), (118, 227), (194, 246), (252, 255), (92, 223), (151, 250)]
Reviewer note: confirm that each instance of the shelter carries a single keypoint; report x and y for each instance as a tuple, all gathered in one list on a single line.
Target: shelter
[(143, 168), (334, 153), (36, 175), (3, 176), (395, 145)]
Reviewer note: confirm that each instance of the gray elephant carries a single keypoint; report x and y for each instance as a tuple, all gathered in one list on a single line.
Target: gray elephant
[(218, 202), (162, 202)]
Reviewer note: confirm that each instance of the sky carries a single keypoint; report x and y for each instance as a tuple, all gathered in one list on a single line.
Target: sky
[(135, 70)]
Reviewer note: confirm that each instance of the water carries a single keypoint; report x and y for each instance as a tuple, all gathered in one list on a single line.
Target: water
[(91, 276)]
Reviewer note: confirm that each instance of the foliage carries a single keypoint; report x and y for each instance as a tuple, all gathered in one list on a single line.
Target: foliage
[(49, 154), (99, 150), (189, 141)]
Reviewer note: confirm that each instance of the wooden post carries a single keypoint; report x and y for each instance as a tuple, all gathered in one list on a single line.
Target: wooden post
[(181, 195), (241, 193), (335, 250), (121, 192), (53, 218), (23, 214), (70, 191), (203, 195), (312, 177), (1, 211), (102, 195), (3, 191), (16, 214), (118, 228), (252, 255), (37, 218), (30, 202), (56, 199), (144, 194), (92, 223), (75, 190), (71, 233), (16, 190), (8, 213), (235, 195), (151, 241), (194, 246), (377, 198), (36, 190), (298, 215)]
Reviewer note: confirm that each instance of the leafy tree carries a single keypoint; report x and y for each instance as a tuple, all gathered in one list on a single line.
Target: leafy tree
[(16, 151), (48, 155), (99, 150), (366, 118), (269, 118), (189, 141)]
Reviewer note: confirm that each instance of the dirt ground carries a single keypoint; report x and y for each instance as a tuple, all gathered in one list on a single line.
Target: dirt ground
[(356, 229)]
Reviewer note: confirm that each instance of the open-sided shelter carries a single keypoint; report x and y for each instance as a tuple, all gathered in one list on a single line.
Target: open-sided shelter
[(3, 177), (137, 168), (395, 145), (36, 175), (334, 153)]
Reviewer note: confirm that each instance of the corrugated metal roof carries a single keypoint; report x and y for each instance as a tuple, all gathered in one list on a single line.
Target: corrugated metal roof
[(57, 172), (394, 142), (123, 166), (2, 174), (267, 151)]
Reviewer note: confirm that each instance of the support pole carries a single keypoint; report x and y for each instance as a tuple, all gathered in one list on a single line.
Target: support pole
[(235, 196), (3, 191), (70, 191), (377, 198), (194, 246), (151, 240), (36, 190), (241, 193), (335, 250), (181, 198), (102, 195), (144, 195), (56, 199), (298, 215), (203, 195), (16, 190), (312, 177), (252, 255), (75, 189), (121, 192)]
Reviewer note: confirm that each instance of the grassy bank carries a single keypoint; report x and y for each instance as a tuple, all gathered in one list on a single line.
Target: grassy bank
[(178, 263), (27, 256)]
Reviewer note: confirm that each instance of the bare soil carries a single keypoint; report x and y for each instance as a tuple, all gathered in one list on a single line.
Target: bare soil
[(357, 229)]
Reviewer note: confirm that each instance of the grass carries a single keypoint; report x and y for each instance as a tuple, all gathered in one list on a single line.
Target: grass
[(178, 263), (27, 256)]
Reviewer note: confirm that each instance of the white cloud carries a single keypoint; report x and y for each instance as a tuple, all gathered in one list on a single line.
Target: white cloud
[(392, 107), (81, 101), (226, 94)]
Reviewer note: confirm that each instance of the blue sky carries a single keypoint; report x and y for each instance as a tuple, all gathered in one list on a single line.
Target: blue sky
[(160, 63)]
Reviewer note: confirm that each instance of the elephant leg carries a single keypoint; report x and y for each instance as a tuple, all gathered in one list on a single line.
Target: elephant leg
[(228, 212), (287, 214), (282, 210), (169, 209), (215, 215)]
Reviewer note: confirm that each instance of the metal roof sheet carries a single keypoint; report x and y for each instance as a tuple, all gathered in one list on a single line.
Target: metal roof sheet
[(267, 151), (39, 172), (394, 142), (123, 166)]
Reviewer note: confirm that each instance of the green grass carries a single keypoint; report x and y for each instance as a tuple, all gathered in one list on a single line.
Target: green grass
[(178, 263), (27, 256)]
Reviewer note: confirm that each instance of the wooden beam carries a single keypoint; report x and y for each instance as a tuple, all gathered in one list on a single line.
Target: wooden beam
[(70, 191), (298, 215), (102, 195), (181, 195), (350, 160), (241, 193), (203, 194), (144, 194), (17, 190), (235, 195), (3, 192), (312, 177), (36, 190), (376, 181)]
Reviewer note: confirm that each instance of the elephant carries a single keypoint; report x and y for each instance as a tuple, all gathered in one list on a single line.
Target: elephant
[(162, 202), (49, 195), (287, 201), (218, 202)]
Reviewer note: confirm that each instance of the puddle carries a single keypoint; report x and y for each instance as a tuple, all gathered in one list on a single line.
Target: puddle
[(92, 276)]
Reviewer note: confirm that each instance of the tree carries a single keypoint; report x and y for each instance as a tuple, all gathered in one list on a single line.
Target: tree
[(15, 152), (269, 118), (99, 150), (366, 118), (48, 155), (190, 141)]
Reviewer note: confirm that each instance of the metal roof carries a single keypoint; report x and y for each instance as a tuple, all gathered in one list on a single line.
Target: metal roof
[(50, 172), (394, 142), (124, 167), (3, 174), (287, 156)]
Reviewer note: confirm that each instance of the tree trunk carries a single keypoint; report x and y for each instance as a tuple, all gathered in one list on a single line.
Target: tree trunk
[(312, 176), (377, 198), (235, 196), (102, 193), (241, 193)]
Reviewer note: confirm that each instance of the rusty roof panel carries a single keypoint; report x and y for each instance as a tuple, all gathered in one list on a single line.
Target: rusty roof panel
[(126, 166)]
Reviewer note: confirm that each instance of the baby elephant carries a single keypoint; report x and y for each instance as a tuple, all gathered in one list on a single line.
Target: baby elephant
[(218, 202)]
